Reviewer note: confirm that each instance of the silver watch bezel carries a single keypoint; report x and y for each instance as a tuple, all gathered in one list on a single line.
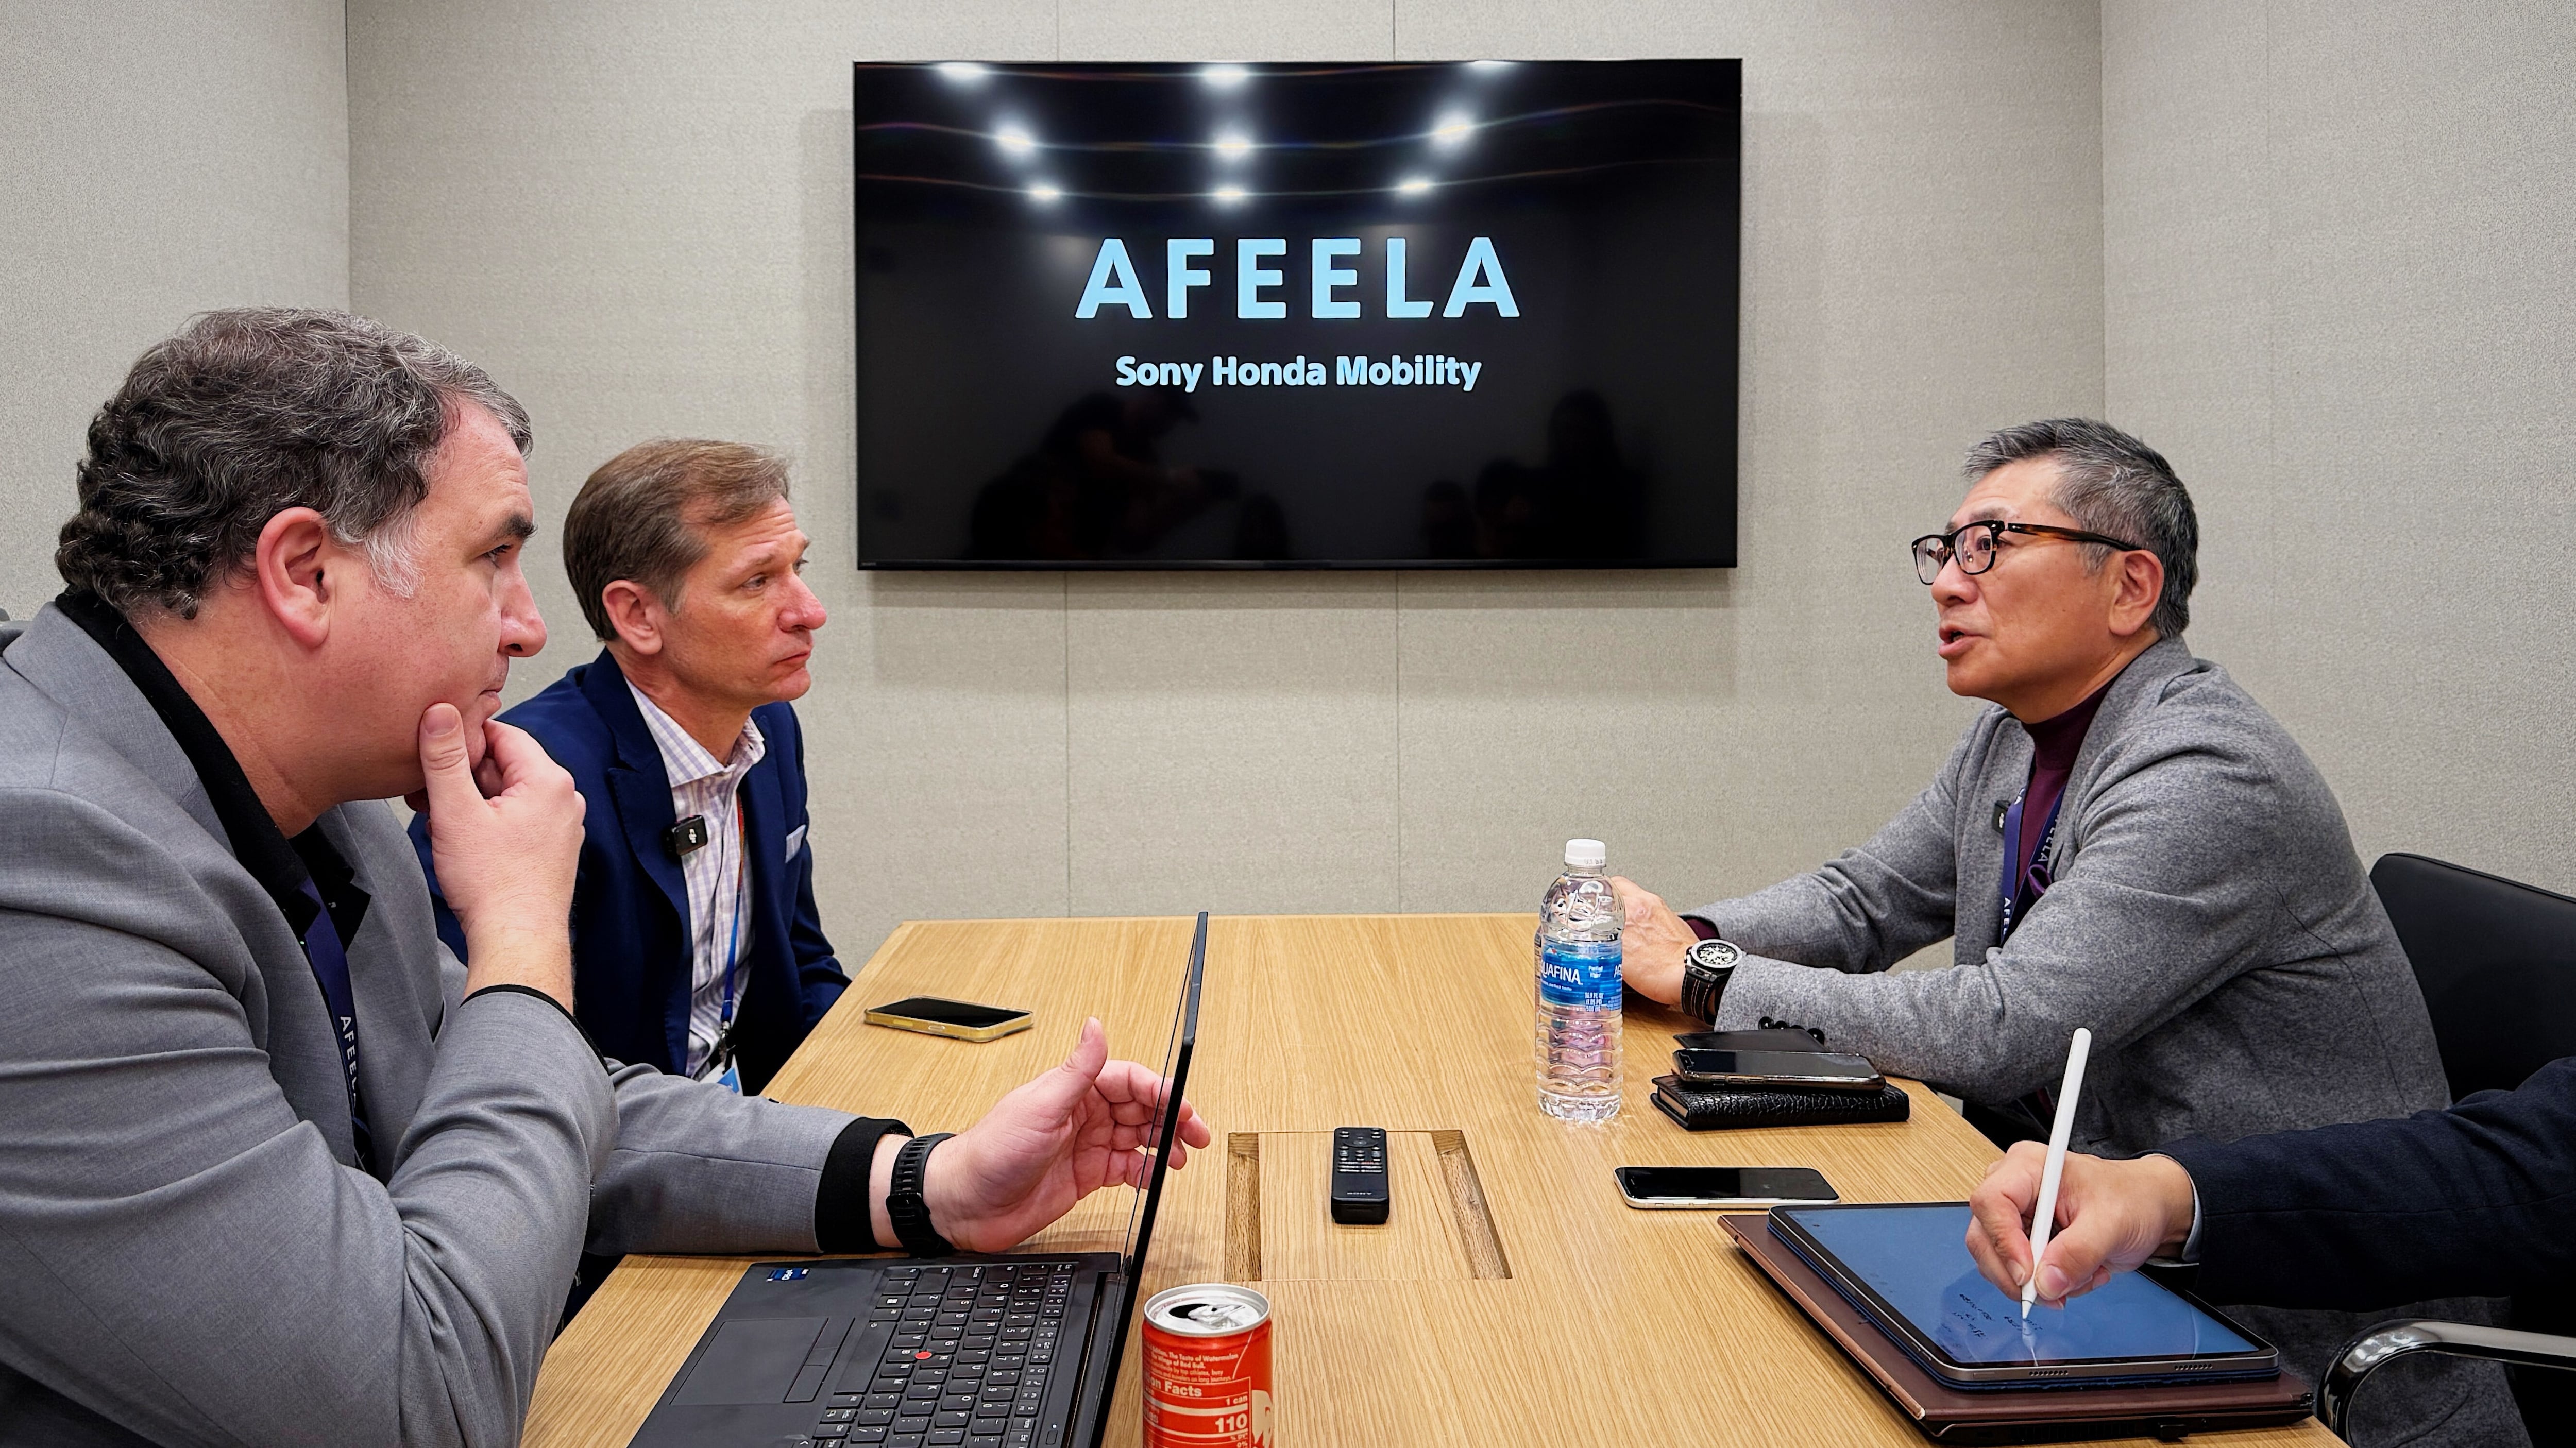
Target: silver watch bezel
[(1728, 955)]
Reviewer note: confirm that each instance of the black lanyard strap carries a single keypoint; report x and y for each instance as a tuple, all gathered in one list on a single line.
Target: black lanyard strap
[(2013, 876), (330, 961)]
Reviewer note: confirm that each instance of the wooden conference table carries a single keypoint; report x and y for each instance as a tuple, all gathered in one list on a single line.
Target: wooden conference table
[(1513, 1298)]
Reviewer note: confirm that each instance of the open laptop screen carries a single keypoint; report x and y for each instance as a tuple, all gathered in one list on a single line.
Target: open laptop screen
[(1176, 1070)]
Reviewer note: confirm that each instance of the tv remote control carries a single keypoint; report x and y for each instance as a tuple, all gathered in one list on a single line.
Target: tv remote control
[(1359, 1175)]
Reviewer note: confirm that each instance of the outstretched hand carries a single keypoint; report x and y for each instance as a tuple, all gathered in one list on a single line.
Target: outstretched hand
[(2111, 1216), (1080, 1127)]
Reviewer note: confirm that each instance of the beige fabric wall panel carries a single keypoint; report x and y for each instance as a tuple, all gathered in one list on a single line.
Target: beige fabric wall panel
[(2337, 280), (639, 217), (156, 160), (1921, 265), (1233, 739)]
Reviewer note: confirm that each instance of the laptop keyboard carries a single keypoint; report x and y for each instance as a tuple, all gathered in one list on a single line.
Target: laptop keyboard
[(974, 1345)]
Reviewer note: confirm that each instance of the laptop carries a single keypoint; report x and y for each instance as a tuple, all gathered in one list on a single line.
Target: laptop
[(1011, 1350)]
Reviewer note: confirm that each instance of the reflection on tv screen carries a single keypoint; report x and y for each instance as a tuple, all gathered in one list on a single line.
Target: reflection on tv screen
[(1165, 316)]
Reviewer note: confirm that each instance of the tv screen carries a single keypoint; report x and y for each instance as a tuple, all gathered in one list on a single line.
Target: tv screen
[(1476, 314)]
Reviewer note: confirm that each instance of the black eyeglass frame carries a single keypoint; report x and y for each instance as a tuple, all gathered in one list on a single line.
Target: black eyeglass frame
[(1996, 528)]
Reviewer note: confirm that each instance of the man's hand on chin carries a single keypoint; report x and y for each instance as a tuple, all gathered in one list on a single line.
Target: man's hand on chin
[(507, 858), (1651, 943)]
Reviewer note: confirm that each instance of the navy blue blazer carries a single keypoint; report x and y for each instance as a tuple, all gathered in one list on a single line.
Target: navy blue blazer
[(630, 954), (2475, 1201)]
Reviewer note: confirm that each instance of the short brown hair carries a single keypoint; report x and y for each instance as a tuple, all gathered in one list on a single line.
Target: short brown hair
[(640, 516)]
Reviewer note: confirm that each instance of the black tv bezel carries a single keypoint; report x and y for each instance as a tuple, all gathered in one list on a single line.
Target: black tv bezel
[(858, 390)]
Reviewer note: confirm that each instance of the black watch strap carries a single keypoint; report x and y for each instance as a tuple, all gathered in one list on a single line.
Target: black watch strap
[(904, 1206), (1706, 968)]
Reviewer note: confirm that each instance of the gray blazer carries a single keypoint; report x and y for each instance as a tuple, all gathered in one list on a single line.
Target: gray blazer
[(188, 1254), (2209, 922)]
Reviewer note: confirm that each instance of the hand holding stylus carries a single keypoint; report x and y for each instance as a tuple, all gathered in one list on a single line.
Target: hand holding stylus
[(2044, 1215), (2117, 1215)]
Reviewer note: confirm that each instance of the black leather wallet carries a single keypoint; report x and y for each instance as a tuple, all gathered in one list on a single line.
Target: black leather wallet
[(1721, 1108)]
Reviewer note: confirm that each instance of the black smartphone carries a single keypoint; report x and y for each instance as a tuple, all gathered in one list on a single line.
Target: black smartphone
[(963, 1020), (1829, 1070), (1769, 1038), (1656, 1188)]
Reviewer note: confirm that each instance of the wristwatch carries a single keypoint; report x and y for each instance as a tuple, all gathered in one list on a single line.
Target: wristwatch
[(1705, 969), (904, 1206)]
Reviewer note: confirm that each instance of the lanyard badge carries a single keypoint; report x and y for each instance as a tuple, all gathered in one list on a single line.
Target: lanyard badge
[(721, 1067), (2037, 879)]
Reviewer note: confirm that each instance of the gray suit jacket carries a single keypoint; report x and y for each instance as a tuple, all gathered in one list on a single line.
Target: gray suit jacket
[(2209, 922), (188, 1253)]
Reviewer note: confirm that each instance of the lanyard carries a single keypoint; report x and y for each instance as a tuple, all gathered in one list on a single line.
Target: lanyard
[(719, 1065), (2013, 876), (330, 962), (741, 906)]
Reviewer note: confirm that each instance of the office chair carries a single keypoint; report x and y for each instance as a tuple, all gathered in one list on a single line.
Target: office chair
[(2390, 1341), (2496, 961)]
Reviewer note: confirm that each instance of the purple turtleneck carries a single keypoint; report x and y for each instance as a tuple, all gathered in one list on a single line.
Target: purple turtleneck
[(2054, 744)]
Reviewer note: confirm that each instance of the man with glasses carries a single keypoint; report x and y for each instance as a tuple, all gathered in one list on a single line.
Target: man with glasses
[(2126, 842)]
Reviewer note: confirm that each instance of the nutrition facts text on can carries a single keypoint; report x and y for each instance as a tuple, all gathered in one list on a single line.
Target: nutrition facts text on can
[(1207, 1368)]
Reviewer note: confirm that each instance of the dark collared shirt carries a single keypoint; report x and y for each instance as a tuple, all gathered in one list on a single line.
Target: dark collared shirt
[(280, 865)]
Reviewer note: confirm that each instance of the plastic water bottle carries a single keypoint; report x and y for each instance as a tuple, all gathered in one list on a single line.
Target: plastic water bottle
[(1578, 989)]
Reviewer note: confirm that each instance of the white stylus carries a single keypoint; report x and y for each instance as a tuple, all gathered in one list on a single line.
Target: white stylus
[(2046, 1216)]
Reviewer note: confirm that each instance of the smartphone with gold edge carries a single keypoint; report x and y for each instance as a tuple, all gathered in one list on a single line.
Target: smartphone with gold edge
[(961, 1020)]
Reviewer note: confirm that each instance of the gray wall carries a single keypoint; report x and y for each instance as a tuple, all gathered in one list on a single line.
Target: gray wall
[(638, 217), (2316, 251), (2337, 265), (155, 160)]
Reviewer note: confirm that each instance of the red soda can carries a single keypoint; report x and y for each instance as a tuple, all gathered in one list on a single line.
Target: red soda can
[(1207, 1367)]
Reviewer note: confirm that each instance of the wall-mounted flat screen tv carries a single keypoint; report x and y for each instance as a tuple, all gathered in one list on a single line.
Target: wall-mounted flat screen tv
[(1458, 315)]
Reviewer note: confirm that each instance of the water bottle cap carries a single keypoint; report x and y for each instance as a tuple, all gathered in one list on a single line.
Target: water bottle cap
[(1586, 854)]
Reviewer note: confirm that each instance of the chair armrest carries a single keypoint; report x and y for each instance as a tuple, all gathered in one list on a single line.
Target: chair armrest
[(2389, 1341)]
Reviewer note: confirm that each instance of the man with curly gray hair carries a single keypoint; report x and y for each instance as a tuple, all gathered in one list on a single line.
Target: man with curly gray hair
[(275, 1167)]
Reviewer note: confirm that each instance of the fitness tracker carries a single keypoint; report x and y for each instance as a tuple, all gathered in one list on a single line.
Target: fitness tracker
[(904, 1206)]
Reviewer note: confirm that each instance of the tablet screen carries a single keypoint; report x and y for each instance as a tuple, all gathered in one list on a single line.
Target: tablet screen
[(1915, 1258)]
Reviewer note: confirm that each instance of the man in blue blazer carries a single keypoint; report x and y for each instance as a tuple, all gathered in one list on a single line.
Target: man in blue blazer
[(696, 946)]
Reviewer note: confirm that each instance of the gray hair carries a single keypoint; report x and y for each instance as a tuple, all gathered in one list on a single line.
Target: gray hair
[(246, 413), (2111, 483)]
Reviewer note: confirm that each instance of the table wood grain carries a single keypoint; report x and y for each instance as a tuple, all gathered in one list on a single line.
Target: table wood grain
[(1614, 1327)]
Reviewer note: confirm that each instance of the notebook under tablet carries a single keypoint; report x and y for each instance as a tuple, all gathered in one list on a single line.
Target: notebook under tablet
[(1017, 1350), (1907, 1269)]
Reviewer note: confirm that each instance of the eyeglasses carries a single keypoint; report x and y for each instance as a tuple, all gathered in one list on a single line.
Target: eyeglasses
[(1975, 545)]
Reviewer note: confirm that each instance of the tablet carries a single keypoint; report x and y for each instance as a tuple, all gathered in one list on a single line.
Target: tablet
[(1906, 1267)]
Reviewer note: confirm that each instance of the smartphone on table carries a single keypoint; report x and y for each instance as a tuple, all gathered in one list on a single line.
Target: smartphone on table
[(1701, 1187), (1829, 1070), (962, 1020)]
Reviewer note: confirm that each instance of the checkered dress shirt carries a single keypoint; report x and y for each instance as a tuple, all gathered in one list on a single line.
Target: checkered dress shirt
[(717, 875)]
